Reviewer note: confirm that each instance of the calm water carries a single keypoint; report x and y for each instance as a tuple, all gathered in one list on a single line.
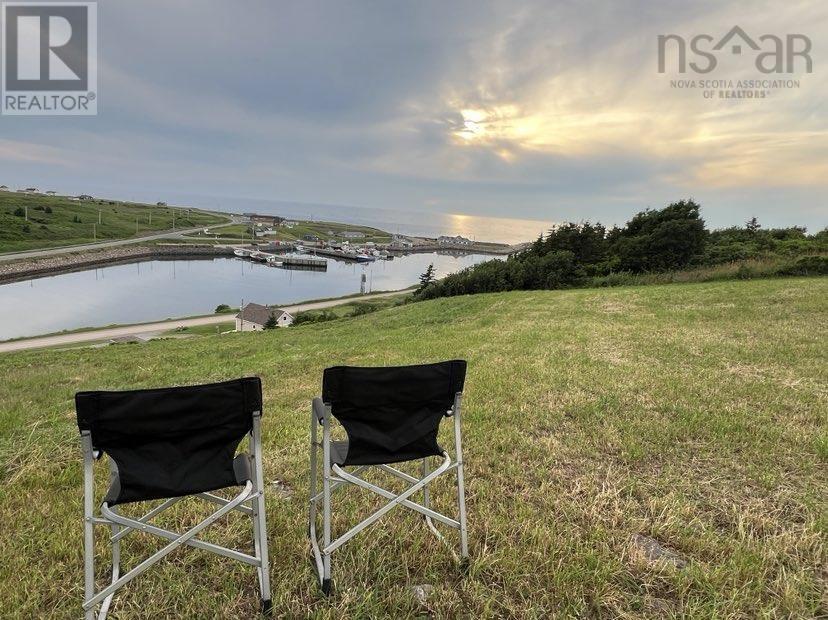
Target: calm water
[(155, 290)]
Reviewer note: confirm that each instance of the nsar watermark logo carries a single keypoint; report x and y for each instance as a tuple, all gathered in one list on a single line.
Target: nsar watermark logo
[(50, 58), (775, 58)]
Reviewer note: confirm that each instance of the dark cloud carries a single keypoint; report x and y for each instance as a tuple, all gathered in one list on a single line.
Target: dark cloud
[(360, 103)]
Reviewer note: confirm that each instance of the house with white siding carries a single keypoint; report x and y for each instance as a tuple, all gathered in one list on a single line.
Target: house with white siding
[(254, 317)]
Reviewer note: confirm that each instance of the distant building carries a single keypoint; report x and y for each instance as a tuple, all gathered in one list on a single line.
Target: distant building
[(272, 220), (289, 223), (310, 238), (160, 204), (4, 188), (254, 317), (458, 240), (85, 197), (32, 190), (401, 241), (352, 234), (51, 192)]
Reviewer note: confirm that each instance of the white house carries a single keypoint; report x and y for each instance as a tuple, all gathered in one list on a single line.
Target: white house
[(458, 240), (254, 317)]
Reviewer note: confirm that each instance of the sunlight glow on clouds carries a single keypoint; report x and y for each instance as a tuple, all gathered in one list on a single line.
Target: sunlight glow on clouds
[(534, 109)]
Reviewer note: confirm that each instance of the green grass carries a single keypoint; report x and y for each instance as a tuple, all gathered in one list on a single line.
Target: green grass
[(369, 305), (747, 269), (691, 413), (203, 330), (71, 222)]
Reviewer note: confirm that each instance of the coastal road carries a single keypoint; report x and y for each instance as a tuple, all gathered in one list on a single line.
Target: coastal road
[(169, 234), (153, 329)]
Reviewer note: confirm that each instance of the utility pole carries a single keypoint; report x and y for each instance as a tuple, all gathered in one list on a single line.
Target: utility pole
[(173, 219), (150, 219), (27, 213), (99, 216), (94, 232), (241, 316), (136, 224)]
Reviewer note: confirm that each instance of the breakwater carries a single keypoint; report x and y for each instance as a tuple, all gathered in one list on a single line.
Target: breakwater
[(64, 263)]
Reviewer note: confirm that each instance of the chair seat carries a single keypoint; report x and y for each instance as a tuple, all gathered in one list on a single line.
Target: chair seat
[(339, 452), (241, 469), (339, 456)]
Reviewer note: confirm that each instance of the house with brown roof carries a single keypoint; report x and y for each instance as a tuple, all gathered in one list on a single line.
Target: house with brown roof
[(254, 317)]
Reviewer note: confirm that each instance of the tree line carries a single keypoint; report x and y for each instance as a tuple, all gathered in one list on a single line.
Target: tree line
[(653, 241)]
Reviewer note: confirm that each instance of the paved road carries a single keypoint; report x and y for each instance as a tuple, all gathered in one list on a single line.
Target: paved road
[(169, 234), (153, 329)]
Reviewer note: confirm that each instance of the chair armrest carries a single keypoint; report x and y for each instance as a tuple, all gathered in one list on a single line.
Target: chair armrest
[(319, 409)]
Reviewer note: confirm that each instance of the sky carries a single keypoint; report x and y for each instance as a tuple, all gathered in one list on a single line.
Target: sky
[(546, 110)]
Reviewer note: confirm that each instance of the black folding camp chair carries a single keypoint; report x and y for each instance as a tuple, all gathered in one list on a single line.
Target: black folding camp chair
[(167, 444), (390, 415)]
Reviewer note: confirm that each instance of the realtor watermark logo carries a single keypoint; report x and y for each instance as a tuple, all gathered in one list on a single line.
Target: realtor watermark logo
[(776, 59), (50, 58)]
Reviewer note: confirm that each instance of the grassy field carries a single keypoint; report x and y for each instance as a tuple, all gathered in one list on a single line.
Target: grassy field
[(57, 221), (694, 414)]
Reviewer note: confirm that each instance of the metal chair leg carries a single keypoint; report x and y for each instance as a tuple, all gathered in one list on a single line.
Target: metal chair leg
[(461, 490)]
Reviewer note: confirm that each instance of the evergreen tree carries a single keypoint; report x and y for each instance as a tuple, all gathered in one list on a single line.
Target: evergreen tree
[(271, 322), (426, 279)]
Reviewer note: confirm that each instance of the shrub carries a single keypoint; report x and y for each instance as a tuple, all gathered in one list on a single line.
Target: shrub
[(223, 309), (26, 228), (670, 238), (20, 212), (47, 210), (313, 317), (805, 266), (744, 273), (360, 309)]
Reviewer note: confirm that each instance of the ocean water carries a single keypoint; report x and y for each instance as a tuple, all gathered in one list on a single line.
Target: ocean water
[(425, 223)]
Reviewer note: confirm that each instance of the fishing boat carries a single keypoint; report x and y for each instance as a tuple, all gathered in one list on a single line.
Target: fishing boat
[(241, 252)]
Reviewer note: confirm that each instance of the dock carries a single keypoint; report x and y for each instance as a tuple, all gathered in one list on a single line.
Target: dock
[(302, 261)]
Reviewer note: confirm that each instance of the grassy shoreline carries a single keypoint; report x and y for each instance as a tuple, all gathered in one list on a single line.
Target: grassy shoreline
[(690, 413)]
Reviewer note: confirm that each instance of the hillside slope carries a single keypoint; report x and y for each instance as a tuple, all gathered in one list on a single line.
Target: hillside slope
[(692, 414), (56, 221)]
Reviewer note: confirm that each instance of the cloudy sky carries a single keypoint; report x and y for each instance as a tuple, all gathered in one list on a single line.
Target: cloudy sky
[(527, 109)]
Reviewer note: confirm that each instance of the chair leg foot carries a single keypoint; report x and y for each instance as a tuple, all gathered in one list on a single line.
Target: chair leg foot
[(326, 587), (267, 607)]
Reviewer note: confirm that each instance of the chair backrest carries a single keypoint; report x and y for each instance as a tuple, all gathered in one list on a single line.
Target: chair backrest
[(392, 414), (170, 442)]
